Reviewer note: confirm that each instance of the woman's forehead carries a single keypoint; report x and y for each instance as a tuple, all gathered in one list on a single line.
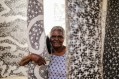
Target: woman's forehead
[(56, 32)]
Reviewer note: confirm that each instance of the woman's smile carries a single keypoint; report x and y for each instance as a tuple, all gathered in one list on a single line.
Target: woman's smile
[(57, 39)]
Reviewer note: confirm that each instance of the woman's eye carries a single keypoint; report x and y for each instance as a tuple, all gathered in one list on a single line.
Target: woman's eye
[(53, 37), (59, 37)]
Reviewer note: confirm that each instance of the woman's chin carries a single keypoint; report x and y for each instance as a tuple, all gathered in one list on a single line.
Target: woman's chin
[(56, 46)]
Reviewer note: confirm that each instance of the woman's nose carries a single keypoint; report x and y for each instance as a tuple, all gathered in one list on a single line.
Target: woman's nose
[(56, 38)]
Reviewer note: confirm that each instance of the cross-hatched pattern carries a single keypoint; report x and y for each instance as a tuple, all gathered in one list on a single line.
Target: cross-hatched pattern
[(84, 43)]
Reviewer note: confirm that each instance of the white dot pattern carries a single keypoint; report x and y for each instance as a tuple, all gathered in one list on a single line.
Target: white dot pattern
[(35, 33), (34, 9), (111, 44), (57, 67)]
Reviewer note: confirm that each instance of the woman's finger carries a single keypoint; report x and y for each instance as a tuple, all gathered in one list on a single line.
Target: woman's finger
[(38, 59)]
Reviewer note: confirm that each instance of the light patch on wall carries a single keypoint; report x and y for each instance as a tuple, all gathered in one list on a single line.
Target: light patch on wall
[(54, 14)]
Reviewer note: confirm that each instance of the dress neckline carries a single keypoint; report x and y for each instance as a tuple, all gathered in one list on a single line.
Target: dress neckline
[(59, 55)]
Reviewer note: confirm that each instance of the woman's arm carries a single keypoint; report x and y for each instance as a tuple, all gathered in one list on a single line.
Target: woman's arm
[(32, 57)]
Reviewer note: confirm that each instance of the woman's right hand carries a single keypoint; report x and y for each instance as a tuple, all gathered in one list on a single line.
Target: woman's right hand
[(32, 57), (38, 59)]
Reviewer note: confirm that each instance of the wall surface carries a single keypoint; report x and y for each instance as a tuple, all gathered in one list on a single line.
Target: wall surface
[(16, 77), (21, 31), (13, 43), (85, 39), (36, 37), (84, 34), (111, 45)]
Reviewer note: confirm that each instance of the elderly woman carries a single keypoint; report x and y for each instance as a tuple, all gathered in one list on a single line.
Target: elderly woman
[(57, 65)]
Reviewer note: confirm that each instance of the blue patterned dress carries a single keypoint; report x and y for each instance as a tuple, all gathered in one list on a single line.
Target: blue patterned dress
[(57, 67)]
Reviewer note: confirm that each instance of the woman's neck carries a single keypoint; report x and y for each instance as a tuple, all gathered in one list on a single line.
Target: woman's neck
[(59, 51)]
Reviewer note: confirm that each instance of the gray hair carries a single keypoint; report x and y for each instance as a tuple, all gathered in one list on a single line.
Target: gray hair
[(58, 28)]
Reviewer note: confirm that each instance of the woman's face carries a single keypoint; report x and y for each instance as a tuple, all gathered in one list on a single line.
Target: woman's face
[(57, 39)]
